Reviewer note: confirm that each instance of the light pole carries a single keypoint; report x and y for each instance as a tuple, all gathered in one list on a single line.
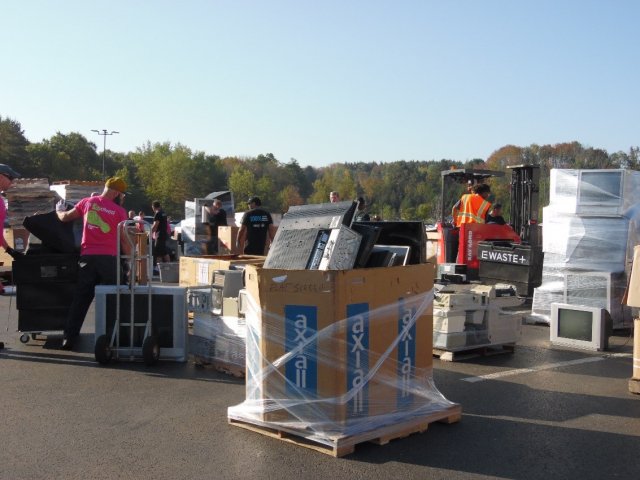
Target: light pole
[(104, 134)]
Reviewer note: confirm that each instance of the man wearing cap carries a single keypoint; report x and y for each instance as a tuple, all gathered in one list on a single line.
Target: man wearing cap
[(101, 215), (7, 175), (255, 226)]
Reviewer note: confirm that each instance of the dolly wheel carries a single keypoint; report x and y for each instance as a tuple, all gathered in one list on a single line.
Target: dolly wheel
[(102, 350), (24, 338), (150, 350)]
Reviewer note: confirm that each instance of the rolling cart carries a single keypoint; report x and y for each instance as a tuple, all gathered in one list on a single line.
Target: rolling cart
[(124, 340), (45, 277)]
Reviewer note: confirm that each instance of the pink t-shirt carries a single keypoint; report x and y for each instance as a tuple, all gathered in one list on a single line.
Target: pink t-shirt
[(100, 231), (3, 216)]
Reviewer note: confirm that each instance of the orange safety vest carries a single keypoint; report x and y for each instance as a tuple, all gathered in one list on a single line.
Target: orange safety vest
[(473, 209)]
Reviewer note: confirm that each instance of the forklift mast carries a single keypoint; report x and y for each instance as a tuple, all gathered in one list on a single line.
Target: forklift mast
[(525, 180)]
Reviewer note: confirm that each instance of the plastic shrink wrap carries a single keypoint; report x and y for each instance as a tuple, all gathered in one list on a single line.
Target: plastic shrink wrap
[(218, 339), (589, 230), (337, 353)]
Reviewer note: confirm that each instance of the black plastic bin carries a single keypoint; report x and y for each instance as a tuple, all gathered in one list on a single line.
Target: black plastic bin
[(517, 264), (44, 290)]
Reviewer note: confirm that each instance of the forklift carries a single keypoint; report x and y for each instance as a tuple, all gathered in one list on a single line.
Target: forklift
[(486, 271), (492, 253)]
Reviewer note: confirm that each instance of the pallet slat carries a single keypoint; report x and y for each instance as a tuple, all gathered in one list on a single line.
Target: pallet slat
[(220, 366), (340, 446), (452, 356)]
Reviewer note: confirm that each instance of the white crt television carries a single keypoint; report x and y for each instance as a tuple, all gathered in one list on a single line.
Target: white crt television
[(579, 326)]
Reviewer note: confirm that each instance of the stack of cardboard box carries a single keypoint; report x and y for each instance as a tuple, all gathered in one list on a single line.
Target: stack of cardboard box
[(339, 351)]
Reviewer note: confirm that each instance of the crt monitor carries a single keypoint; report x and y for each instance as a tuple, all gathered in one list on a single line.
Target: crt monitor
[(579, 326)]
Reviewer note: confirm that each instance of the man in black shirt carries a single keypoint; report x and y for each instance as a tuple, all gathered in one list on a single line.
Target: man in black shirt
[(217, 218), (159, 233), (255, 226)]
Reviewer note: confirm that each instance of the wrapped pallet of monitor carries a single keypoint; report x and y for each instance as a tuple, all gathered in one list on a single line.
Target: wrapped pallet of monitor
[(339, 357), (589, 230)]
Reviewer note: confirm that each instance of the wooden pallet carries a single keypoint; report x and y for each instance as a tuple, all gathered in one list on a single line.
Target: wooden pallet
[(219, 366), (453, 356), (339, 446)]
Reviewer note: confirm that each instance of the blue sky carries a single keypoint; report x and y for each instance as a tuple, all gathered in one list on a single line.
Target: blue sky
[(325, 81)]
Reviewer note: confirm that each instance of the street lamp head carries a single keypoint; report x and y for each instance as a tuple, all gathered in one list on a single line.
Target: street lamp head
[(104, 134)]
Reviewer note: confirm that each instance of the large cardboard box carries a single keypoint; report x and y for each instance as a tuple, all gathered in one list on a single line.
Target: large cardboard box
[(335, 346), (633, 291), (227, 241), (196, 271)]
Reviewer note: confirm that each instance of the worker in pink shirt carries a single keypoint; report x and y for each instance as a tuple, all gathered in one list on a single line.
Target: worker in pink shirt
[(7, 175), (101, 216)]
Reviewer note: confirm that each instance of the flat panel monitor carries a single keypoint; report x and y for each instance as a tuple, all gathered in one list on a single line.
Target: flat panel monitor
[(408, 234), (303, 232), (400, 254), (579, 326), (318, 215), (600, 187)]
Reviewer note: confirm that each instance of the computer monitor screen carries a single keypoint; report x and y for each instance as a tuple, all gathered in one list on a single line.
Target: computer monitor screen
[(579, 326), (600, 187), (575, 324)]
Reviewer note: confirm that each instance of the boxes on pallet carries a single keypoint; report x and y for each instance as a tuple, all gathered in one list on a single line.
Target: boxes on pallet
[(195, 271), (338, 350)]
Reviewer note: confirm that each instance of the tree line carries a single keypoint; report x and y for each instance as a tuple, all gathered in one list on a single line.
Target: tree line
[(173, 173)]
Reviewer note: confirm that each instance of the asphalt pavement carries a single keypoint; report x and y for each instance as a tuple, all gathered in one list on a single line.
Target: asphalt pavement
[(539, 412)]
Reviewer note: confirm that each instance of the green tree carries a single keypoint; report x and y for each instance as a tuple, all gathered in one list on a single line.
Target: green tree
[(66, 157), (173, 174), (13, 147), (288, 197), (242, 183)]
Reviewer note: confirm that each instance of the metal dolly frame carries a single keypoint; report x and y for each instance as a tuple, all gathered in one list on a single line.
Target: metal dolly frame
[(107, 348)]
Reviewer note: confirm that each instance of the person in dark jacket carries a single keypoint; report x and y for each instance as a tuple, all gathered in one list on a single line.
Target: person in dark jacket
[(256, 225), (495, 215)]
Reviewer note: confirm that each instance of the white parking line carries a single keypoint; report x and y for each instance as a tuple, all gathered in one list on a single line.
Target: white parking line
[(44, 359), (519, 371)]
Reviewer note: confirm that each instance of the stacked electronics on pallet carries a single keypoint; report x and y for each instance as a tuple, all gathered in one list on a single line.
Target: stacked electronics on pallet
[(589, 230)]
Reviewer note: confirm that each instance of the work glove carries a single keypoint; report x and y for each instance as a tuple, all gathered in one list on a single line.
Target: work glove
[(14, 253), (61, 206)]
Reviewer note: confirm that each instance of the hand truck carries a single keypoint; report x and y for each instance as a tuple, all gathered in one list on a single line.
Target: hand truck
[(108, 347)]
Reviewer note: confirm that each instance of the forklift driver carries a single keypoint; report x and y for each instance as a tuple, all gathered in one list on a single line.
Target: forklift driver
[(472, 207)]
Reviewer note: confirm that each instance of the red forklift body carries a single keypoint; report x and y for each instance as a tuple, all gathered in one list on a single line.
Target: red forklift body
[(460, 245), (473, 233)]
